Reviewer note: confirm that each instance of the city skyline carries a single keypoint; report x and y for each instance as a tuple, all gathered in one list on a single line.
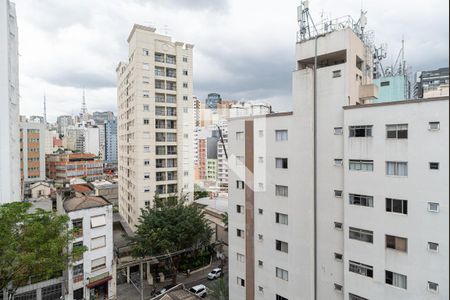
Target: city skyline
[(64, 55)]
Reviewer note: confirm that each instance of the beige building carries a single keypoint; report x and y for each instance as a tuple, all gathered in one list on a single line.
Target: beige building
[(32, 151), (155, 121)]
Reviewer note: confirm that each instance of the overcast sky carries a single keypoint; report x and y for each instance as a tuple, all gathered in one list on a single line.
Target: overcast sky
[(244, 49)]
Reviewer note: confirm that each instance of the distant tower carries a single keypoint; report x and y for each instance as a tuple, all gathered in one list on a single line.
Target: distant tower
[(45, 109), (83, 105)]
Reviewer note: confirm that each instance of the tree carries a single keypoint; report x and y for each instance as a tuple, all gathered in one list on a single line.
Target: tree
[(199, 192), (33, 246), (169, 226), (220, 289)]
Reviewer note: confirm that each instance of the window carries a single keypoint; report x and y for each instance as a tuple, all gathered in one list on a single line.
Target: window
[(239, 135), (434, 166), (146, 175), (145, 66), (77, 270), (147, 189), (397, 206), (261, 159), (147, 203), (185, 59), (338, 131), (338, 256), (281, 163), (146, 135), (146, 149), (239, 160), (98, 264), (338, 287), (240, 233), (282, 246), (185, 110), (185, 72), (395, 279), (282, 274), (338, 162), (338, 193), (434, 125), (241, 282), (240, 258), (433, 247), (396, 168), (361, 200), (146, 107), (396, 243), (239, 209), (278, 297), (98, 242), (398, 131), (146, 121), (185, 85), (260, 289), (281, 135), (361, 269), (260, 211), (360, 131), (98, 221), (145, 79), (385, 83), (185, 98), (361, 235), (355, 297), (337, 73), (433, 287), (361, 165), (281, 219), (260, 237), (240, 184), (338, 225), (281, 190), (433, 207), (261, 133), (260, 263)]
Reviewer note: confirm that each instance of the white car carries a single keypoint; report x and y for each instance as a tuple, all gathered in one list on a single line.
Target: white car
[(199, 290), (214, 274)]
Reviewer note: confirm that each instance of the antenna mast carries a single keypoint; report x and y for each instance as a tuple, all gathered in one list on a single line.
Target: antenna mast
[(305, 22), (45, 109), (83, 105)]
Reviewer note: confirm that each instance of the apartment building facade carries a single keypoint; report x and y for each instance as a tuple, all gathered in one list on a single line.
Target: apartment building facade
[(10, 188), (155, 121), (67, 165), (32, 151), (111, 141), (92, 276), (337, 199)]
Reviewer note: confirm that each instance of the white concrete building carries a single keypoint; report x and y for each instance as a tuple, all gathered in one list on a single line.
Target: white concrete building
[(250, 108), (10, 187), (93, 276), (155, 121), (83, 139), (341, 198)]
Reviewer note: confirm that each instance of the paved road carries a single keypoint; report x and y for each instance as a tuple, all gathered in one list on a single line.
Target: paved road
[(129, 292)]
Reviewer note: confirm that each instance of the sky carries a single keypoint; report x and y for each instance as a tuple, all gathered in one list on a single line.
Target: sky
[(244, 50)]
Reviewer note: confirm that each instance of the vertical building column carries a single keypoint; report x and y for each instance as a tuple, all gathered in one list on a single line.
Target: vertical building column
[(249, 212)]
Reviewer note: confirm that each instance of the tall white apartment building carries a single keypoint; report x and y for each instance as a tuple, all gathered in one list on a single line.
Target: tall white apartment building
[(10, 187), (32, 150), (155, 121), (341, 198)]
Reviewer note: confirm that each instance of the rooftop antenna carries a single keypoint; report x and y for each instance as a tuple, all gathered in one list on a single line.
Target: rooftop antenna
[(45, 108), (305, 22), (83, 104)]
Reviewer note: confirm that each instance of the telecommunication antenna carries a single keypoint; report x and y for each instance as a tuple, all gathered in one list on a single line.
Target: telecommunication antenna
[(83, 104), (45, 109), (307, 27)]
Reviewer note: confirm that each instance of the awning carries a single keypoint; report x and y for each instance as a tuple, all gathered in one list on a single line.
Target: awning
[(99, 282)]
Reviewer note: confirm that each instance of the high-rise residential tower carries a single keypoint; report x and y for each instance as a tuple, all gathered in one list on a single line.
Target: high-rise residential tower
[(155, 121), (10, 187), (343, 198)]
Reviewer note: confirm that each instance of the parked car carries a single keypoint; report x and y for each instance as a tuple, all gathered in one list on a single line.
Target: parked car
[(199, 290), (164, 289), (214, 274)]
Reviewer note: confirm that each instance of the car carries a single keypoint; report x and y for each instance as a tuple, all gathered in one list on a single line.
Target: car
[(214, 274), (199, 290), (165, 289)]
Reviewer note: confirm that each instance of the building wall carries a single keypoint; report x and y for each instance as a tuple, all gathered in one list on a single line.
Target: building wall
[(10, 188), (111, 141), (32, 151), (137, 123), (395, 88)]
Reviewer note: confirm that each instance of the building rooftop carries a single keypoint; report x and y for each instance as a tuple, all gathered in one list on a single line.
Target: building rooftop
[(80, 201), (81, 188), (103, 184), (219, 203), (411, 101)]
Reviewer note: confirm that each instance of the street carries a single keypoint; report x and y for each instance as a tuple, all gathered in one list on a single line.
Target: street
[(127, 291)]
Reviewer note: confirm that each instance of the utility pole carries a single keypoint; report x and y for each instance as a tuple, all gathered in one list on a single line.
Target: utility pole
[(141, 279)]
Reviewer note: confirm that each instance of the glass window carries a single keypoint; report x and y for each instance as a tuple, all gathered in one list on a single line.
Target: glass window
[(361, 269), (361, 165), (396, 243), (361, 235), (433, 207), (282, 274), (281, 163), (98, 264), (281, 190), (434, 125), (355, 297), (397, 206), (433, 287), (360, 131), (281, 218), (239, 135), (361, 200), (281, 135), (397, 131), (395, 279), (434, 166), (433, 247), (282, 246), (396, 168), (338, 131)]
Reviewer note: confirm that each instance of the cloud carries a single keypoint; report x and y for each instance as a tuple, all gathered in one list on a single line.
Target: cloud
[(243, 49)]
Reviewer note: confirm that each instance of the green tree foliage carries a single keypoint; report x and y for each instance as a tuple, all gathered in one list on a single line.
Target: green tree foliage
[(169, 226), (33, 246), (199, 192), (220, 289)]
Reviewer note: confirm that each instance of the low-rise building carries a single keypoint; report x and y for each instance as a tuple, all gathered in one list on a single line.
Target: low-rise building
[(67, 165), (93, 275), (32, 151)]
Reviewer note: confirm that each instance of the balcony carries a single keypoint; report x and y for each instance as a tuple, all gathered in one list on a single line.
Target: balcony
[(78, 278)]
